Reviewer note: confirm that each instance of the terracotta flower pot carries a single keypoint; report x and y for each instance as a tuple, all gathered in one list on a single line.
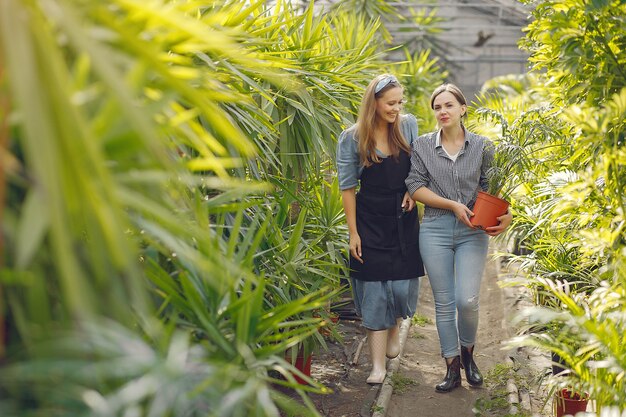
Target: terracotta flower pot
[(303, 364), (567, 402), (487, 210)]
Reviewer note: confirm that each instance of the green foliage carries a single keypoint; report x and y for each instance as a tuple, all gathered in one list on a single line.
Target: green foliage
[(569, 207), (581, 44), (401, 383), (513, 148), (496, 400), (376, 11), (90, 219), (172, 220), (589, 338), (327, 60), (420, 320), (521, 127), (106, 369)]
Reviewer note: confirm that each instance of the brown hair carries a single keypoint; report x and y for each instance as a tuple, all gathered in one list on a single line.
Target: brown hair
[(367, 119), (451, 88)]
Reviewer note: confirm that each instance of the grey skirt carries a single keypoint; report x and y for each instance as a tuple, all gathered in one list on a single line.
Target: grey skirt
[(381, 303)]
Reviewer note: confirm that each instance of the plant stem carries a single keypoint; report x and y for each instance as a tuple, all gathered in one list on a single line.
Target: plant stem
[(4, 135)]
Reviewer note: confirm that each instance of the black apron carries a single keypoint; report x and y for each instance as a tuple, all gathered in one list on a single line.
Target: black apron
[(389, 237)]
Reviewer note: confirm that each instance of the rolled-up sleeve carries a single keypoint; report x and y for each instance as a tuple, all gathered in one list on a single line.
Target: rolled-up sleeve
[(488, 155), (347, 161), (418, 174)]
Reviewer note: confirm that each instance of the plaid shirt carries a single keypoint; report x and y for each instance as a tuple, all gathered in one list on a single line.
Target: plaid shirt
[(458, 180)]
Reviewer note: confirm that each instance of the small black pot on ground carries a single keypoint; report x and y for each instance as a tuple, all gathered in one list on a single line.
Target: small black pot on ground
[(556, 361)]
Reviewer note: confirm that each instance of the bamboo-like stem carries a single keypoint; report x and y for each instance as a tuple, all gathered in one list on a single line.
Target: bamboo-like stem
[(4, 137)]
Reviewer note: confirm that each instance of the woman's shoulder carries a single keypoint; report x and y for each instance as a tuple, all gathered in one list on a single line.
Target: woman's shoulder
[(480, 139), (347, 143), (408, 118), (408, 124), (425, 142), (428, 137), (475, 136), (348, 134)]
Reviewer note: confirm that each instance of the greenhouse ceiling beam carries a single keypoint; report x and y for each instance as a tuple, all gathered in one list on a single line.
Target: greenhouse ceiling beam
[(452, 26), (439, 5), (487, 58)]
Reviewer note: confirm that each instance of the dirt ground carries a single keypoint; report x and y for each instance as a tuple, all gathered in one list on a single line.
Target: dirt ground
[(351, 396), (421, 366), (421, 360)]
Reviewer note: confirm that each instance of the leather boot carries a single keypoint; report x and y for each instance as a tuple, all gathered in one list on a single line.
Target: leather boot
[(472, 373), (453, 376)]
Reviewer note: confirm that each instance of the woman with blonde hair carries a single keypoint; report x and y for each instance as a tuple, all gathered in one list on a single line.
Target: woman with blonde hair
[(385, 264)]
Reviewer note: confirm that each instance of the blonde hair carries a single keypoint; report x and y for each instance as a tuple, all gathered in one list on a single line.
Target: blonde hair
[(367, 121)]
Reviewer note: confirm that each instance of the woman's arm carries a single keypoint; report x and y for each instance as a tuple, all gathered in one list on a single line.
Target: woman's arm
[(431, 199), (348, 198)]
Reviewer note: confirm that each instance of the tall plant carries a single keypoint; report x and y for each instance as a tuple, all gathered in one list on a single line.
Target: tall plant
[(138, 233), (580, 44), (571, 215), (125, 153)]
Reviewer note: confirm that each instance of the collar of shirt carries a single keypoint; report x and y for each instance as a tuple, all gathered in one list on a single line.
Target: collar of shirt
[(438, 138)]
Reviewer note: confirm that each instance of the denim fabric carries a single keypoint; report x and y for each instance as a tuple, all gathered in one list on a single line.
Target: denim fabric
[(380, 303), (454, 256), (349, 166)]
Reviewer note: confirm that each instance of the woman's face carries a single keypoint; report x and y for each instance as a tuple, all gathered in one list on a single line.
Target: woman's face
[(448, 110), (389, 104)]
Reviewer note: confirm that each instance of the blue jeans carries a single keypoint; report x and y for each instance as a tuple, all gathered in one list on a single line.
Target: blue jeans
[(454, 256)]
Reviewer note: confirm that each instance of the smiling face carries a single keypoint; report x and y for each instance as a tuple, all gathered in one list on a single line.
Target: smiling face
[(448, 109), (389, 104)]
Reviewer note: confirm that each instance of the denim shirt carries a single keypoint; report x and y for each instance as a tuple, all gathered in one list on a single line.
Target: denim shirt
[(458, 180), (349, 166)]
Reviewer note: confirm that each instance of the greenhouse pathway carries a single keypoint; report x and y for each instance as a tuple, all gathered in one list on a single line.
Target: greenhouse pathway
[(420, 366), (409, 391)]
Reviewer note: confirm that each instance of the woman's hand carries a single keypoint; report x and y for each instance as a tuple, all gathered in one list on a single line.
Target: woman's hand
[(505, 220), (407, 202), (463, 213), (355, 247)]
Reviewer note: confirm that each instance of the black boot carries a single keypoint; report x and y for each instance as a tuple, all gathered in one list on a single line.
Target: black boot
[(453, 376), (472, 373)]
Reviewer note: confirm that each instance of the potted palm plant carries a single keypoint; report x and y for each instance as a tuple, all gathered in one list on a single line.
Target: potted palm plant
[(510, 164), (301, 355), (569, 402), (489, 206)]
